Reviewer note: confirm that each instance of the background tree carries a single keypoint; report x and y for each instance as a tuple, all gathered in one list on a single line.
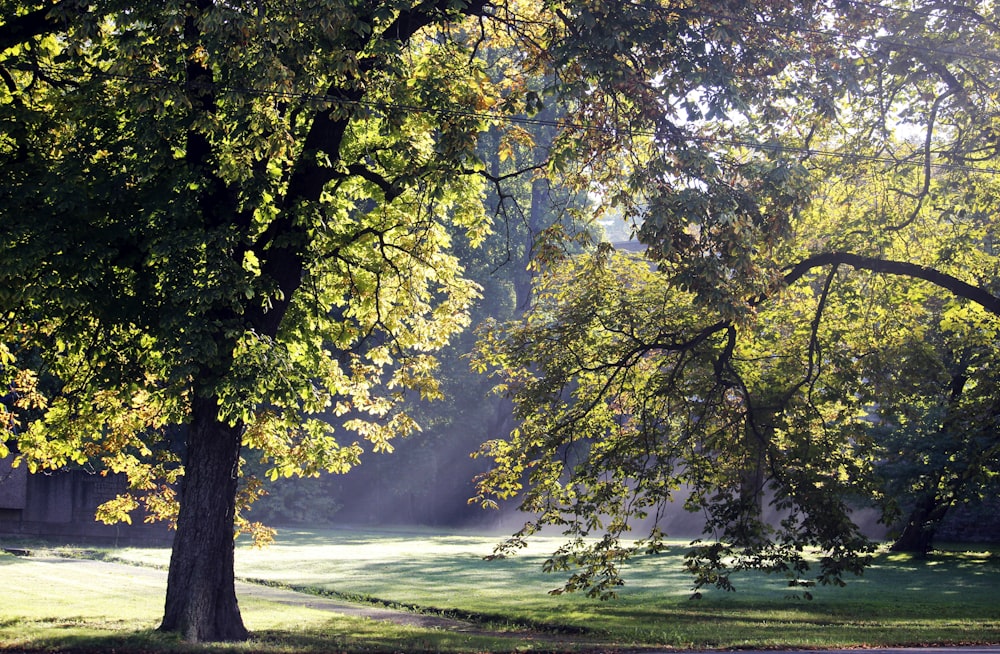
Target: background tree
[(938, 423), (798, 214), (924, 350)]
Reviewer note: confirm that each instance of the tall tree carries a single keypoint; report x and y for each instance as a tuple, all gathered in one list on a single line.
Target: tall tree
[(234, 216), (795, 204)]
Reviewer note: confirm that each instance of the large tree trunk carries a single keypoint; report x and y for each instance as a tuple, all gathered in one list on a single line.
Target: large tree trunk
[(757, 435), (201, 594), (922, 524)]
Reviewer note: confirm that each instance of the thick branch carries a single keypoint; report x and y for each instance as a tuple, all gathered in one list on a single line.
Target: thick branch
[(284, 263), (409, 22), (390, 190), (20, 29), (949, 283)]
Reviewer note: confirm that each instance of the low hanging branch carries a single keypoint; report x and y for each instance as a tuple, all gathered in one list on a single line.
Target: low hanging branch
[(956, 286)]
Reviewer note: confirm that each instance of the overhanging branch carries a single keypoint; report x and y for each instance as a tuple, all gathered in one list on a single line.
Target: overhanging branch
[(942, 280)]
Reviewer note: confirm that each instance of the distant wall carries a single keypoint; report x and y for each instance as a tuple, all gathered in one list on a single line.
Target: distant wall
[(61, 505), (975, 522), (13, 486)]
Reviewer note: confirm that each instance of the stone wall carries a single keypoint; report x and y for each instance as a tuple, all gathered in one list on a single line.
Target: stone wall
[(975, 522), (61, 505), (13, 486)]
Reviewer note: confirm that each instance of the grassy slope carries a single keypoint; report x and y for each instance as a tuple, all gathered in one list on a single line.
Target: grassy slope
[(951, 598)]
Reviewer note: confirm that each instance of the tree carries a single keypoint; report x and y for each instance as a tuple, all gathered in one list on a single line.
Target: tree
[(235, 217), (627, 398), (797, 219), (925, 342), (937, 419)]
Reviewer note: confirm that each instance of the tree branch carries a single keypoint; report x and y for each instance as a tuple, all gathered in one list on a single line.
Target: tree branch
[(328, 127), (18, 29), (942, 280), (815, 356), (284, 263), (390, 190), (408, 23)]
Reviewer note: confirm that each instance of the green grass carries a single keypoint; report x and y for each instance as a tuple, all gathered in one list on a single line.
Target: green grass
[(950, 598), (63, 606)]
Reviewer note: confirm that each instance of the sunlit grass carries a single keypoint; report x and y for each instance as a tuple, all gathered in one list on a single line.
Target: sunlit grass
[(953, 597), (65, 604)]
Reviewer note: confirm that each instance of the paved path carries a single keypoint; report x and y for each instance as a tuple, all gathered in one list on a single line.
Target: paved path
[(308, 600), (276, 594)]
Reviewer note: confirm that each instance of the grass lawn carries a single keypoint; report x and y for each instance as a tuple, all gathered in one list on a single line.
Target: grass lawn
[(953, 597), (67, 606)]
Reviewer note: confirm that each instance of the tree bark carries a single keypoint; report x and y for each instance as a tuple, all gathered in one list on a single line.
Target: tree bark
[(201, 592), (921, 526)]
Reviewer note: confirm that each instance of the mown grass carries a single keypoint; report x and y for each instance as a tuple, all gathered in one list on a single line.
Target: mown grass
[(951, 598), (66, 606)]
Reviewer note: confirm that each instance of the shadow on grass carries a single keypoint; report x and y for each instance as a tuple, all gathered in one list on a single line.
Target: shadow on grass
[(147, 640), (362, 636), (941, 576), (447, 581)]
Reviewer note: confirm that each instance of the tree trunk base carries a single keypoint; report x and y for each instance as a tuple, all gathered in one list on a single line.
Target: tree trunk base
[(201, 588)]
